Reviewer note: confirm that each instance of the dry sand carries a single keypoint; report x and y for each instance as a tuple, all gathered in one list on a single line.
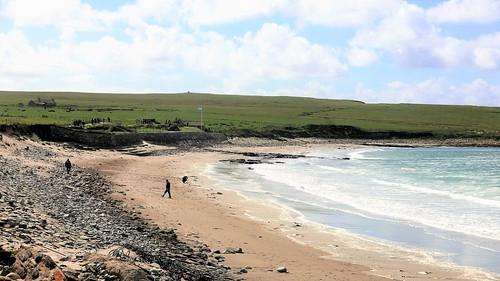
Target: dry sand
[(202, 210)]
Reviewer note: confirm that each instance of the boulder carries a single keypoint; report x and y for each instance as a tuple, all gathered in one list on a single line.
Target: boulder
[(123, 270)]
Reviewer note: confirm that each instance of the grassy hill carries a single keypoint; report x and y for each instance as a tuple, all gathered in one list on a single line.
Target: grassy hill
[(233, 114)]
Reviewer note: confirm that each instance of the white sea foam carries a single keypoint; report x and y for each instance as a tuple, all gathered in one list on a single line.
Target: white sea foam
[(361, 154), (449, 194), (366, 193), (452, 195)]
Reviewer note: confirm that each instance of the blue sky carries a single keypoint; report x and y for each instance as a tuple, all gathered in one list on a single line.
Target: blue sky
[(443, 52)]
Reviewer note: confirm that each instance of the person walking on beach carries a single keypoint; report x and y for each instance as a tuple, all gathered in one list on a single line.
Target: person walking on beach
[(67, 164), (167, 189)]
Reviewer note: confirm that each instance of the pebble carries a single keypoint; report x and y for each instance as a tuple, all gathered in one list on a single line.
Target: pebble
[(282, 269)]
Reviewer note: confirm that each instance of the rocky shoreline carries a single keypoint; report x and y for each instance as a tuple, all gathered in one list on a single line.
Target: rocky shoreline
[(74, 216), (389, 142)]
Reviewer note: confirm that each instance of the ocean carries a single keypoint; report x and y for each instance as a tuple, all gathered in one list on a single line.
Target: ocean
[(444, 201)]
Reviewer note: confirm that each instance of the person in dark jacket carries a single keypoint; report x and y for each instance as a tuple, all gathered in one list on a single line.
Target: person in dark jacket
[(167, 189), (67, 164)]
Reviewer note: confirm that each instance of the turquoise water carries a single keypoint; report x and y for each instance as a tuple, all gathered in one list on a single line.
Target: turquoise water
[(441, 200)]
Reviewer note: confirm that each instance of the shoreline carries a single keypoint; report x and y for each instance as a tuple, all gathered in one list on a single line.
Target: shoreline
[(200, 212), (383, 257), (253, 142), (392, 264)]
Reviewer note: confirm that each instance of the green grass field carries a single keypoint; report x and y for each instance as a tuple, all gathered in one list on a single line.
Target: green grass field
[(232, 113)]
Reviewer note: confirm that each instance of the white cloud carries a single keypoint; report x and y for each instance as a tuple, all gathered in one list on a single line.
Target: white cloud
[(69, 16), (439, 91), (430, 91), (274, 52), (361, 57), (342, 13), (414, 41), (159, 10), (199, 12), (18, 58), (202, 12), (148, 53), (461, 11), (75, 16), (313, 89), (487, 52), (318, 12)]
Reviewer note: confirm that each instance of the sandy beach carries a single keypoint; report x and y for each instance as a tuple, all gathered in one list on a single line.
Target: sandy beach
[(270, 237), (204, 211)]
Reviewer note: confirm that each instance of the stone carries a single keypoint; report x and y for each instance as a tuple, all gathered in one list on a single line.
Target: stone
[(282, 269), (233, 251), (34, 273), (24, 254), (6, 258), (45, 260), (58, 275), (18, 268), (13, 276)]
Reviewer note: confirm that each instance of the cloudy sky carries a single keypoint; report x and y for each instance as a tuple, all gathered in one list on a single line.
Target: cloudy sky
[(371, 50)]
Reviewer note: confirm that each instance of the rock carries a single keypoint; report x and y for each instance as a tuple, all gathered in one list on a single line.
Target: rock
[(18, 268), (233, 251), (13, 276), (219, 258), (282, 269), (24, 254), (125, 271), (6, 258), (45, 260), (65, 258), (58, 275), (34, 273)]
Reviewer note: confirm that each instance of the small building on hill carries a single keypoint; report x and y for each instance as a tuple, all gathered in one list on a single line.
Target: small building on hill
[(42, 102)]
